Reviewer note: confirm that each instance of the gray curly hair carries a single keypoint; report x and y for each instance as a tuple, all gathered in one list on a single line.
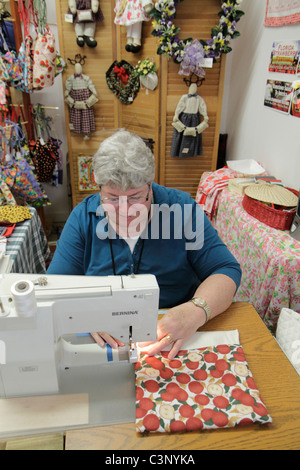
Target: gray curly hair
[(124, 160)]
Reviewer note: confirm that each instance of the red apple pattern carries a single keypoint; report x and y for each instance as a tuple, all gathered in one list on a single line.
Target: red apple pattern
[(205, 388)]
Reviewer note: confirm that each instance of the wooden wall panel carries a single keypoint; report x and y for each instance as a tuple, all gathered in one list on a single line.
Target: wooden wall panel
[(195, 18), (98, 60), (151, 114), (142, 116)]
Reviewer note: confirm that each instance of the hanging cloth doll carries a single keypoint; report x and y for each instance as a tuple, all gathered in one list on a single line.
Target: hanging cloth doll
[(131, 14), (86, 13), (188, 126), (81, 95)]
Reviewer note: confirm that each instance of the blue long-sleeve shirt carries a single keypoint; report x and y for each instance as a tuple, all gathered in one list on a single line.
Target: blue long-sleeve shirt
[(180, 246)]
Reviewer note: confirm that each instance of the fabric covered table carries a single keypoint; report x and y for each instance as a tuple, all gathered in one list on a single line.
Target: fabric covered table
[(28, 247), (269, 258)]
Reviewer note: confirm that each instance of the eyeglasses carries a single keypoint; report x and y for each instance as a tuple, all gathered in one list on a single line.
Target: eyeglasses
[(131, 200)]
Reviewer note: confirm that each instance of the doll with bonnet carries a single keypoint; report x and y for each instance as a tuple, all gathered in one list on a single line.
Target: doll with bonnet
[(131, 14), (189, 121), (80, 96), (86, 13)]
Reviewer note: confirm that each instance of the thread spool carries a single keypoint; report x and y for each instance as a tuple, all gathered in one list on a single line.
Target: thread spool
[(24, 298)]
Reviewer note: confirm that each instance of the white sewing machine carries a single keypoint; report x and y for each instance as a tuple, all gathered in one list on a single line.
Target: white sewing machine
[(45, 346)]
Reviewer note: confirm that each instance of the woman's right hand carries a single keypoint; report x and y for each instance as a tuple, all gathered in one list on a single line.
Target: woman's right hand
[(103, 338)]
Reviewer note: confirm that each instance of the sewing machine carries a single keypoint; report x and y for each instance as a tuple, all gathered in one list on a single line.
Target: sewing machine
[(45, 345)]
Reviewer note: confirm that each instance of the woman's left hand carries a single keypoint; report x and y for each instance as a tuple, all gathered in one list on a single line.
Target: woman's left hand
[(176, 327), (102, 338)]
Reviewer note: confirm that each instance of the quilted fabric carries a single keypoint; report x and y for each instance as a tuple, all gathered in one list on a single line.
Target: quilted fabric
[(203, 388), (288, 335)]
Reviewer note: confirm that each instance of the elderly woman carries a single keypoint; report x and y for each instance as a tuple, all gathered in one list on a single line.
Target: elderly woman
[(136, 226)]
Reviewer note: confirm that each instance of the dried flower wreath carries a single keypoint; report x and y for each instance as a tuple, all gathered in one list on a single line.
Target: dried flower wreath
[(122, 81), (163, 15)]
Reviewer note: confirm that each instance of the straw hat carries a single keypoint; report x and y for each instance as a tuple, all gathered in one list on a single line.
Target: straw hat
[(272, 193)]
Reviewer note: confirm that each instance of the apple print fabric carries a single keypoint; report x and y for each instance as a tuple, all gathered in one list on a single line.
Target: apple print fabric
[(203, 388), (44, 60)]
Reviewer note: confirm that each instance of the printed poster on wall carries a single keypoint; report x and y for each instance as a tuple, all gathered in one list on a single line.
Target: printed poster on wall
[(285, 57), (295, 102), (278, 95), (282, 12), (86, 181)]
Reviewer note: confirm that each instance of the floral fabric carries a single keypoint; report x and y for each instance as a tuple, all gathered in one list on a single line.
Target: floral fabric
[(19, 177), (12, 67), (130, 11), (269, 258), (210, 187), (6, 195), (86, 181), (44, 60), (203, 388), (282, 13), (3, 94), (25, 59)]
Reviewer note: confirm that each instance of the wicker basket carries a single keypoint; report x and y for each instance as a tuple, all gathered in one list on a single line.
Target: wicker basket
[(275, 218)]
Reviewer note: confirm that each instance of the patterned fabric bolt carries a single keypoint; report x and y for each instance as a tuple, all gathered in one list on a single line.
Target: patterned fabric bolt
[(204, 388)]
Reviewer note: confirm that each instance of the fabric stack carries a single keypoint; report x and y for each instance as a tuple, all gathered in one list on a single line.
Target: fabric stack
[(210, 186)]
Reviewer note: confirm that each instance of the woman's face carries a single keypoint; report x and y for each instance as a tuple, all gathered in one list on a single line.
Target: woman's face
[(128, 211)]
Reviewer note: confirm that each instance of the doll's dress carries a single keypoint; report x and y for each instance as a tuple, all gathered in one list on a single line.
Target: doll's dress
[(79, 88), (130, 12), (86, 5), (189, 111)]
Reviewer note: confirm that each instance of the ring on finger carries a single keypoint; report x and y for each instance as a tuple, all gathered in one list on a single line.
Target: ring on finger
[(169, 338)]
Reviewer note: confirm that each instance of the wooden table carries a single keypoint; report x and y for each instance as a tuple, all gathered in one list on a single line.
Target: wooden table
[(277, 381)]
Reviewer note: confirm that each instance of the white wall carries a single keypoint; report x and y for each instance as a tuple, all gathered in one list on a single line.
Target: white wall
[(255, 131)]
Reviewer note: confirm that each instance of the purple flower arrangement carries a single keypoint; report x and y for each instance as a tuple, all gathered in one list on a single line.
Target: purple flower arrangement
[(187, 50)]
